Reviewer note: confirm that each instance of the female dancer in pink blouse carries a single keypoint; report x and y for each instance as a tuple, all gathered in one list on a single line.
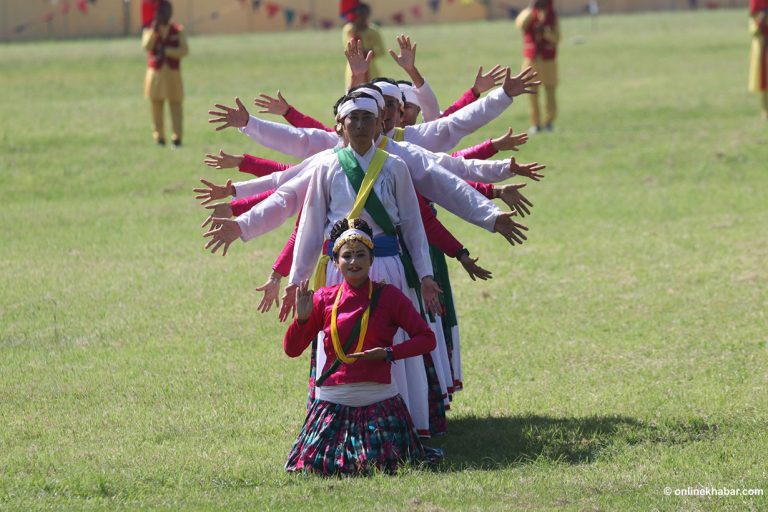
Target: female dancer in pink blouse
[(358, 421)]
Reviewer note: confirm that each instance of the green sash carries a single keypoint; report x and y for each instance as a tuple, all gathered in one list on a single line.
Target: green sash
[(376, 210)]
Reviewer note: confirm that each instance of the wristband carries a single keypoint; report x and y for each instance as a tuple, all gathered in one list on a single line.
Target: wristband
[(390, 355), (462, 252)]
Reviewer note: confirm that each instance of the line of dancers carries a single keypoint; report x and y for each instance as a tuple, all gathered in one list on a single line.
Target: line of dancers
[(381, 325)]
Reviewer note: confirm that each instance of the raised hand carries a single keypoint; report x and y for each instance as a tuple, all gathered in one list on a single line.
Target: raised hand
[(214, 192), (271, 291), (230, 117), (430, 291), (304, 301), (407, 57), (510, 229), (358, 62), (277, 106), (288, 305), (223, 160), (509, 141), (511, 195), (530, 171), (228, 231), (520, 84), (220, 211), (489, 80), (473, 269)]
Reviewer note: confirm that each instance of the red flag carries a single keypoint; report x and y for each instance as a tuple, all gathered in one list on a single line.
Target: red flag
[(82, 6), (148, 9), (304, 18), (347, 9), (65, 7), (416, 11), (398, 18), (48, 17), (272, 9)]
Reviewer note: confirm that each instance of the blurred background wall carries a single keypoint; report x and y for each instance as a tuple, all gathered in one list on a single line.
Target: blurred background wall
[(43, 19)]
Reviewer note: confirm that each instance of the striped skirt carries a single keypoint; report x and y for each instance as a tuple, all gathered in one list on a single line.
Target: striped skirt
[(342, 440)]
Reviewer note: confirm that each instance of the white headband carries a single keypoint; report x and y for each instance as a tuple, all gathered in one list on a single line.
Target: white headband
[(352, 234), (373, 92), (352, 104), (410, 94), (390, 90)]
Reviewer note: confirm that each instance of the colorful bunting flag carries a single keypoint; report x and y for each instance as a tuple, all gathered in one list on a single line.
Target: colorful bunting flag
[(326, 24), (398, 17), (416, 11), (82, 6), (272, 9), (289, 14), (304, 18), (434, 5), (255, 4)]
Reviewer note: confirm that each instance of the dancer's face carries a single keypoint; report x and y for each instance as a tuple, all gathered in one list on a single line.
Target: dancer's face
[(391, 113), (359, 129), (410, 114), (354, 262)]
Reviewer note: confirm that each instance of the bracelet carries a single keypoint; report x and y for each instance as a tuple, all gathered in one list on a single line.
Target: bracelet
[(462, 252), (390, 355)]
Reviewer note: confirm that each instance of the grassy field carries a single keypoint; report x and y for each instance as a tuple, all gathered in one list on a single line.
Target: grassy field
[(622, 350)]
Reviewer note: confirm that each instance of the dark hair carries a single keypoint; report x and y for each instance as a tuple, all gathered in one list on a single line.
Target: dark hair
[(367, 85), (405, 82), (345, 224)]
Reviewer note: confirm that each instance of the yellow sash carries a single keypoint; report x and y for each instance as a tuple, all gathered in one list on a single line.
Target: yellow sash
[(363, 328), (374, 169), (399, 135)]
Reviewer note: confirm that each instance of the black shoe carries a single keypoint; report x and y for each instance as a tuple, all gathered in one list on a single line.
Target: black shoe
[(160, 142), (177, 143), (549, 127)]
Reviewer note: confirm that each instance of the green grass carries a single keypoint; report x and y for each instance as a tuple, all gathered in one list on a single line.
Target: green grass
[(621, 350)]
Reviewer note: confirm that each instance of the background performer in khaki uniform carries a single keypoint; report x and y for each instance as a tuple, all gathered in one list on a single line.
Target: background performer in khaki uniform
[(166, 44), (541, 34), (758, 69), (370, 37)]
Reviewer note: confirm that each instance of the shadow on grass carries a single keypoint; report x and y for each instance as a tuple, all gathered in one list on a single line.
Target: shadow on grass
[(498, 442)]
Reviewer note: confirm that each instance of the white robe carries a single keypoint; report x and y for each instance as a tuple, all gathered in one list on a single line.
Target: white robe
[(439, 135)]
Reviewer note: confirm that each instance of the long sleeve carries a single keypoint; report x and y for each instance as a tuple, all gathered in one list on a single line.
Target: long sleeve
[(310, 233), (422, 339), (437, 234), (465, 99), (444, 133), (275, 180), (434, 181), (553, 35), (275, 210), (299, 335), (410, 220), (524, 18), (430, 109), (485, 171), (240, 206), (484, 188), (298, 142), (300, 120), (148, 38), (482, 151), (260, 166), (181, 51), (284, 261)]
